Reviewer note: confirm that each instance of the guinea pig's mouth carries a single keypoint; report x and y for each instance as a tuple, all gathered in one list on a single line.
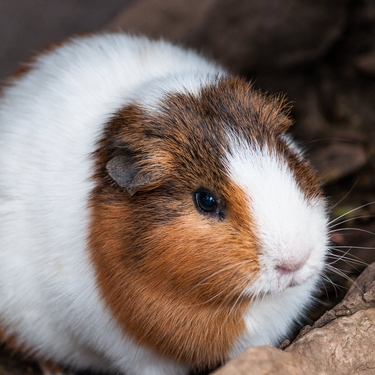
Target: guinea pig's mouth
[(277, 281), (291, 279), (293, 282)]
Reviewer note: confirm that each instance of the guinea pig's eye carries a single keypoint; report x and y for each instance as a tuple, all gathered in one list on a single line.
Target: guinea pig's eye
[(208, 203)]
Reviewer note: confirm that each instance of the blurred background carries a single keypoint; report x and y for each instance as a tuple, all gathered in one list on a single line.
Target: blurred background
[(27, 26), (319, 53)]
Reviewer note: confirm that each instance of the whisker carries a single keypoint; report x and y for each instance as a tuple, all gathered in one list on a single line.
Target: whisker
[(342, 274), (349, 258), (335, 285), (349, 212), (338, 258), (224, 291), (350, 219), (208, 300), (353, 247), (353, 229), (351, 263), (333, 269), (329, 139), (345, 196), (227, 268), (323, 277), (236, 304)]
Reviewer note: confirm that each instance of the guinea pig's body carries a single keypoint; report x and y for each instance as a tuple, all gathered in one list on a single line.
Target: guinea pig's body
[(154, 218)]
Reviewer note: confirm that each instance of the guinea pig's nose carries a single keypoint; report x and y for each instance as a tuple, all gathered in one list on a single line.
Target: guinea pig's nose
[(286, 268)]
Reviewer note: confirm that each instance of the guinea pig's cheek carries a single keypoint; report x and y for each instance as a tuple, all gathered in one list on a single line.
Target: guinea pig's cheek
[(206, 258), (291, 226)]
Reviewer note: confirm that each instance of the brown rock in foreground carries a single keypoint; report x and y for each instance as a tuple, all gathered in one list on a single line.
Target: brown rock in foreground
[(341, 342), (262, 360)]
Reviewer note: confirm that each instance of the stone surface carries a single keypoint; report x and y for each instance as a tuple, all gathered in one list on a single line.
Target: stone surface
[(262, 360)]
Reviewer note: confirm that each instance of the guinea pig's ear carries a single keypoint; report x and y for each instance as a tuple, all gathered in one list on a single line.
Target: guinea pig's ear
[(125, 173)]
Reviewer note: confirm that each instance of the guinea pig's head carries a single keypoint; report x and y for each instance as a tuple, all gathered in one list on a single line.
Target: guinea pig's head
[(202, 206)]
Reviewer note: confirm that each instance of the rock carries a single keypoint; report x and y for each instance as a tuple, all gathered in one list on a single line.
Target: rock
[(261, 360)]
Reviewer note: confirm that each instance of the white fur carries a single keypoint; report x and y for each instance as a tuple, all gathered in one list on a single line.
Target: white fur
[(49, 123), (50, 120), (292, 232)]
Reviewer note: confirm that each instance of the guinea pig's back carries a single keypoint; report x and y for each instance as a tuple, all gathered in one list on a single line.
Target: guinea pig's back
[(50, 121)]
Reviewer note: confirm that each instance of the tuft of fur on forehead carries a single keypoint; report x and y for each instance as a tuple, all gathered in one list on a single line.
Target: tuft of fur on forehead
[(230, 104), (195, 126)]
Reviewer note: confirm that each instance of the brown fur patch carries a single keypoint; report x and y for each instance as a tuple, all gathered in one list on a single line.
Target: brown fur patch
[(12, 342), (172, 275), (14, 345)]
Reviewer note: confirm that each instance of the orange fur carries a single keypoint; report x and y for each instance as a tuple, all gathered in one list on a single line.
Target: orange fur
[(164, 301)]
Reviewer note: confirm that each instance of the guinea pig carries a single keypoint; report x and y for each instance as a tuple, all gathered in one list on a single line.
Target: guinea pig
[(155, 216)]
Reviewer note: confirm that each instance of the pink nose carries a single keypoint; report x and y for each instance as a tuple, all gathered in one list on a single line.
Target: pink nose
[(287, 268)]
